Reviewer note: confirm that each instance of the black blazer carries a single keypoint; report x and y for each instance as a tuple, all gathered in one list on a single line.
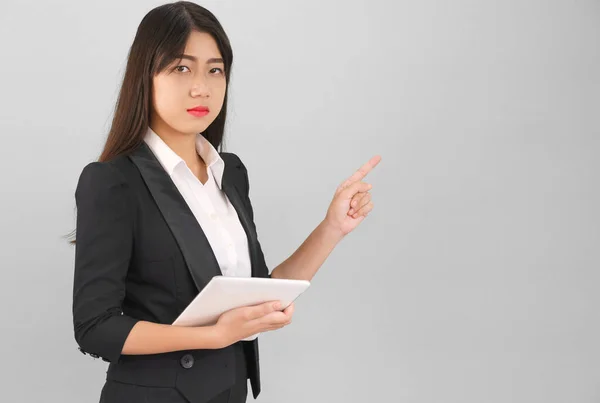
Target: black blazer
[(141, 255)]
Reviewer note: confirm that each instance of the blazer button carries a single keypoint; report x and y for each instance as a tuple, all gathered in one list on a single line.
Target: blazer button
[(187, 361)]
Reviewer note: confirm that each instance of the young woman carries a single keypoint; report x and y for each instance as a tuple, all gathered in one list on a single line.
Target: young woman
[(163, 211)]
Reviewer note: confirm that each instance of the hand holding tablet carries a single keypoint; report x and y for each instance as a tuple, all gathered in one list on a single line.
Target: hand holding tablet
[(253, 294), (245, 323)]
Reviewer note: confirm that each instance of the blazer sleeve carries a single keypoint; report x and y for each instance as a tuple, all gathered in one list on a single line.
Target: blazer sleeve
[(104, 238), (261, 256)]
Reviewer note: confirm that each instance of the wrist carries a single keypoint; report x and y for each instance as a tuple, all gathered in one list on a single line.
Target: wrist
[(211, 337), (331, 231)]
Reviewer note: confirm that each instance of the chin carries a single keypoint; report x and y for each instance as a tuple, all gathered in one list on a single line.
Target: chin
[(203, 122), (194, 128)]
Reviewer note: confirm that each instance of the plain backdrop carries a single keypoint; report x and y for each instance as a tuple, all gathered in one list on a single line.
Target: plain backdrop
[(475, 279)]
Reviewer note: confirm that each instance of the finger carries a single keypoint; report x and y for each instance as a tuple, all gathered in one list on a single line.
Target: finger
[(356, 199), (354, 203), (289, 311), (364, 211), (362, 171), (273, 319), (359, 200), (353, 189), (280, 325), (364, 201), (265, 327), (260, 310)]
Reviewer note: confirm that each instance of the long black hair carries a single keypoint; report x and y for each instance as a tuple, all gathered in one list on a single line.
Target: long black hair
[(160, 39)]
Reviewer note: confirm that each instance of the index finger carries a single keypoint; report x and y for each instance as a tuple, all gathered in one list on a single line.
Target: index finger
[(260, 310), (362, 171)]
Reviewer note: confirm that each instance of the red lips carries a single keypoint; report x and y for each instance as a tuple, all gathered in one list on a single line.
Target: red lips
[(199, 108), (198, 111)]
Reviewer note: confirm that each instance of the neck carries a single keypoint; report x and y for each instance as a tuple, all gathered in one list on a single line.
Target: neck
[(183, 144)]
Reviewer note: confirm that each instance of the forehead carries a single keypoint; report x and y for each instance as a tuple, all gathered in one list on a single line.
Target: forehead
[(201, 45)]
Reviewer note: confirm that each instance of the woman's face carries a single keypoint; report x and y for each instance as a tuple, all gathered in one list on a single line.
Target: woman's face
[(197, 80)]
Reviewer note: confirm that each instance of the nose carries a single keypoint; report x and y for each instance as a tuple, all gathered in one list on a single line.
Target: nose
[(200, 89)]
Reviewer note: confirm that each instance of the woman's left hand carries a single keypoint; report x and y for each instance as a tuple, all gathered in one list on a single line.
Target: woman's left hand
[(352, 200)]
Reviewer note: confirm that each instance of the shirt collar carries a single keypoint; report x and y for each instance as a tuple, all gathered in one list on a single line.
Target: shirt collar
[(170, 160)]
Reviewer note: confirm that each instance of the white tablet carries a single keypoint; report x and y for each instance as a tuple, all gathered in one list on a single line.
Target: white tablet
[(223, 293)]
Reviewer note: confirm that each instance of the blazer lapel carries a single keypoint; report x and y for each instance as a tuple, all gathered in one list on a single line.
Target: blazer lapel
[(234, 197), (190, 237)]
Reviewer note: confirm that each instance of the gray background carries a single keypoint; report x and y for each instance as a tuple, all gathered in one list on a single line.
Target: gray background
[(474, 279)]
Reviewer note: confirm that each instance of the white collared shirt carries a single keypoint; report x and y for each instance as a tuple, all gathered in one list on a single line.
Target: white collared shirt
[(209, 204)]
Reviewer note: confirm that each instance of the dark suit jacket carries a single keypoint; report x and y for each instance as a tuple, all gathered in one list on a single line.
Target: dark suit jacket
[(141, 255)]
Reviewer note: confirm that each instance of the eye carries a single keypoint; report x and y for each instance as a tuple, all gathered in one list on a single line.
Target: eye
[(217, 68), (179, 71)]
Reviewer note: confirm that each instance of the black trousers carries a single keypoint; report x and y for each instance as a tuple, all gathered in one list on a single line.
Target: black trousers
[(118, 392)]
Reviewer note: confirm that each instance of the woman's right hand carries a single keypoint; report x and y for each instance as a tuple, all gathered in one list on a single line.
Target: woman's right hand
[(239, 323)]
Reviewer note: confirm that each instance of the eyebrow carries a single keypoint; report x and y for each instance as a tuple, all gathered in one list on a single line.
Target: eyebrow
[(195, 59)]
